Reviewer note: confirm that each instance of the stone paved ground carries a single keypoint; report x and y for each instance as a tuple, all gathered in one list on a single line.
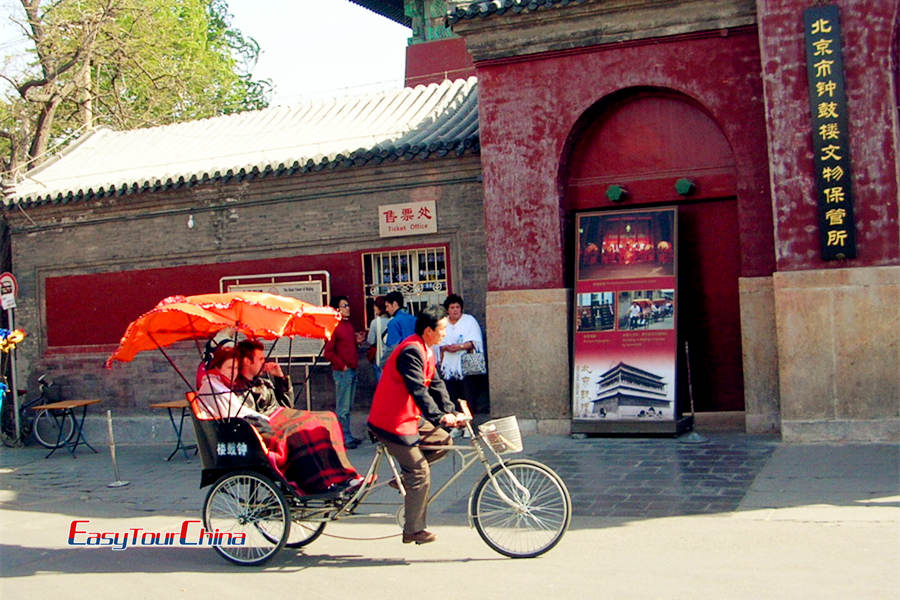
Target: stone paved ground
[(817, 520), (606, 477), (632, 477)]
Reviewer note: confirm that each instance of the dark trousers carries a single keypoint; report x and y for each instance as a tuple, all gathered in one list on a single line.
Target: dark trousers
[(467, 389), (416, 472)]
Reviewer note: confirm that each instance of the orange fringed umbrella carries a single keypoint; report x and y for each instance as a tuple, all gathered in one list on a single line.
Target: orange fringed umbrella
[(255, 314)]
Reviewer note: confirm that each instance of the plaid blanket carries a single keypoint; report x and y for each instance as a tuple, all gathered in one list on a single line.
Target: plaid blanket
[(308, 449)]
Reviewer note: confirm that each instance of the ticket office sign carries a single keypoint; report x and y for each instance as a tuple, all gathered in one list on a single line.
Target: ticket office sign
[(625, 341), (411, 218), (831, 146)]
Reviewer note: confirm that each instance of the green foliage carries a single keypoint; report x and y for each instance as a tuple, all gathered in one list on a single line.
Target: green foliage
[(124, 64)]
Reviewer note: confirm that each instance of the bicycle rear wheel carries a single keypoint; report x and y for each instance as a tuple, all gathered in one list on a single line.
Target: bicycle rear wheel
[(534, 514), (304, 532), (46, 429), (249, 510)]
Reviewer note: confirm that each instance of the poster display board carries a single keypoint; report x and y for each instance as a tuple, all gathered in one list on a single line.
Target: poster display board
[(309, 286), (625, 338)]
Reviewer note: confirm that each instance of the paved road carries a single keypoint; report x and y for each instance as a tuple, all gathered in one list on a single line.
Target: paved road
[(736, 517)]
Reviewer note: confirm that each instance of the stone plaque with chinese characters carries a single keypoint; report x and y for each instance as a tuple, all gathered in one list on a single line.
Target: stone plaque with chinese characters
[(411, 218), (830, 135)]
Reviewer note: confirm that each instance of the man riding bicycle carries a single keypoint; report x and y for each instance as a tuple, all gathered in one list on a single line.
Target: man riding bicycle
[(409, 404)]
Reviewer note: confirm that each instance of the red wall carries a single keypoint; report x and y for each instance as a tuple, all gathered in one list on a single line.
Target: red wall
[(107, 302), (868, 30), (646, 140), (433, 62), (527, 127)]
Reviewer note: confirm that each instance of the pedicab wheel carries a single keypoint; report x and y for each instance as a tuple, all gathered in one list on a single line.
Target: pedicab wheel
[(249, 516), (46, 429), (304, 532), (531, 519)]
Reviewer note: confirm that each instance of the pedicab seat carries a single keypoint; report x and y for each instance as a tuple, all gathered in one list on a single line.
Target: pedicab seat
[(233, 444), (228, 445)]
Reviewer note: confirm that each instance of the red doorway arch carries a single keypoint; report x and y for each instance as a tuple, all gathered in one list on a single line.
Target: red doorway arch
[(645, 140)]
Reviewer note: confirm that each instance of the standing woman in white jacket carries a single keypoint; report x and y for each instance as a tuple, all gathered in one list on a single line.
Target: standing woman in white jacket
[(463, 336)]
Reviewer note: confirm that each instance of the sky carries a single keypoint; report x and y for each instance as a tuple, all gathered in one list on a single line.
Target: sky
[(314, 47), (308, 48)]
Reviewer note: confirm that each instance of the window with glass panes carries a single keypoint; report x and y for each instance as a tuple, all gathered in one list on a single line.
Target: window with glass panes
[(420, 274)]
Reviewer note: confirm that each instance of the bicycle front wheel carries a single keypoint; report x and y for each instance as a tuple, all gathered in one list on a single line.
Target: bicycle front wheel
[(521, 510), (250, 517), (46, 429)]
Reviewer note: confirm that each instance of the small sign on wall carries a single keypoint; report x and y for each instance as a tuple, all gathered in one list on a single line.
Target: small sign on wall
[(411, 218), (9, 287)]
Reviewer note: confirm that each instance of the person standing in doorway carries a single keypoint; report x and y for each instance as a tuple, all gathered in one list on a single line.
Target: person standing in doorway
[(377, 336), (402, 324), (342, 351), (463, 336)]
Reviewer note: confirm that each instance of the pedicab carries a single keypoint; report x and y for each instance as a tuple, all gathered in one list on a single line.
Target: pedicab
[(520, 508)]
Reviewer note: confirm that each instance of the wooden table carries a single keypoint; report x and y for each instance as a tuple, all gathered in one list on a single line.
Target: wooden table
[(59, 411), (178, 427)]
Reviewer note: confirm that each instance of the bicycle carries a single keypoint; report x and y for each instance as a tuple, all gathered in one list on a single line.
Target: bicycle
[(42, 425), (520, 508)]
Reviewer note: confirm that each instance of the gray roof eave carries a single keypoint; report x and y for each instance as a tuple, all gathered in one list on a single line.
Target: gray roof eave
[(488, 8)]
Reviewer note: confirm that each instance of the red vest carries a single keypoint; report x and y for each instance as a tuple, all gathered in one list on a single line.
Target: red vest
[(393, 408)]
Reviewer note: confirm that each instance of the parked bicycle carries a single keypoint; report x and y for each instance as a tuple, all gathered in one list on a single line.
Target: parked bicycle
[(43, 425)]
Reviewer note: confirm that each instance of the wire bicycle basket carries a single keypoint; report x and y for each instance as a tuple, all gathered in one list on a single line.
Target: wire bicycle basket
[(502, 435)]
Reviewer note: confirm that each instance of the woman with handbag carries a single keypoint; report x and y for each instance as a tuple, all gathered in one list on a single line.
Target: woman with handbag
[(462, 355)]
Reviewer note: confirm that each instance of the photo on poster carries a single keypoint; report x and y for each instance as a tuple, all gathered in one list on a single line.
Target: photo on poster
[(595, 311), (646, 309), (638, 244), (637, 387)]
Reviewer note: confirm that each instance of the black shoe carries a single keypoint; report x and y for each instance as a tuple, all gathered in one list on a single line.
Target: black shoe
[(350, 445)]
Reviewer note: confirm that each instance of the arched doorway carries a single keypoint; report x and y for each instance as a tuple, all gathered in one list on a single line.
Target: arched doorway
[(646, 140)]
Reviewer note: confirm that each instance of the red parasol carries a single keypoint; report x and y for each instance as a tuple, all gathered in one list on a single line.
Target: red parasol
[(255, 314)]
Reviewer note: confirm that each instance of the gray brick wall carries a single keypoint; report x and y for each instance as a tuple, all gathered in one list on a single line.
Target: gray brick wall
[(288, 216)]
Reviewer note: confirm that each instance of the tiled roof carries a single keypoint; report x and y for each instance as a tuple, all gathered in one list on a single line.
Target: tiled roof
[(437, 119), (486, 8)]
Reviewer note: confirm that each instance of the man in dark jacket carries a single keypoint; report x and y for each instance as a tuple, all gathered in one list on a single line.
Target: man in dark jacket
[(264, 382), (409, 405)]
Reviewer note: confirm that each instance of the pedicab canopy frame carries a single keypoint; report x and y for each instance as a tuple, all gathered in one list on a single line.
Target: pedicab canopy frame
[(257, 315)]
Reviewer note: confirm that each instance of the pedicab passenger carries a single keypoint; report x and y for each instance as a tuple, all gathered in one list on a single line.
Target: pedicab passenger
[(265, 382), (410, 403), (307, 447)]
